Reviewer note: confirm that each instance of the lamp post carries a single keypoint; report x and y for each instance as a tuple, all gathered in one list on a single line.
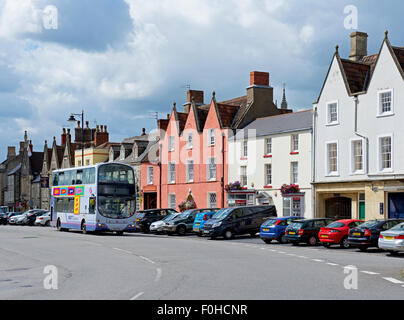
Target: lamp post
[(72, 119)]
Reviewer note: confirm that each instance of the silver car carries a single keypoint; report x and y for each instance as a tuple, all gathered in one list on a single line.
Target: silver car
[(392, 240), (43, 220), (158, 226), (20, 219)]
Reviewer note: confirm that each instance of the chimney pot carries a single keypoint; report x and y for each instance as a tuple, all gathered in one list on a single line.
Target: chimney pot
[(143, 131), (105, 129), (359, 44), (78, 124), (87, 124), (11, 152)]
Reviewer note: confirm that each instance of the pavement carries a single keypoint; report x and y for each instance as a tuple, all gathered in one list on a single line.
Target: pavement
[(159, 267)]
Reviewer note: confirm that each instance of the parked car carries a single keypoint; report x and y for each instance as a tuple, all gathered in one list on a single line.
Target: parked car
[(306, 230), (337, 232), (392, 240), (145, 218), (3, 218), (4, 209), (32, 215), (158, 226), (18, 218), (43, 220), (367, 234), (11, 215), (200, 220), (238, 220), (184, 222), (274, 229)]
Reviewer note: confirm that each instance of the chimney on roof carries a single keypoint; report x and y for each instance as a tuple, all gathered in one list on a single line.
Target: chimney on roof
[(359, 45), (143, 131), (101, 136), (63, 137), (69, 136), (31, 147), (195, 96), (10, 152), (22, 146), (260, 91), (258, 78)]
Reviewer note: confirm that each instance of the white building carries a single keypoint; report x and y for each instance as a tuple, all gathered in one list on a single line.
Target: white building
[(359, 134), (269, 153)]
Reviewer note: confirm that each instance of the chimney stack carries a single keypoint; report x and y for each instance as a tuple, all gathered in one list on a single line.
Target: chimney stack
[(63, 137), (258, 78), (11, 152), (143, 131), (101, 136), (193, 96), (69, 136), (31, 147), (359, 46)]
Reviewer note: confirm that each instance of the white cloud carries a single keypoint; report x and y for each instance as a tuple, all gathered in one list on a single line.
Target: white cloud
[(307, 33)]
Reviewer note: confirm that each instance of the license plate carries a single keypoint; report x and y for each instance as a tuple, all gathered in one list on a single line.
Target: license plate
[(137, 220), (389, 238), (291, 232), (324, 236), (357, 234), (266, 230), (197, 224), (205, 231)]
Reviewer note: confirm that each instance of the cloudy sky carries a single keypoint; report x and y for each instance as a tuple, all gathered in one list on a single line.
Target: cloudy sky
[(121, 60)]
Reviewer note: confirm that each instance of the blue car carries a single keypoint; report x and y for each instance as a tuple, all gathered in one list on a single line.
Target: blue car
[(274, 229), (200, 220)]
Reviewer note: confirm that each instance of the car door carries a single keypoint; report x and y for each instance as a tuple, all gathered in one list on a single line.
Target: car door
[(236, 220)]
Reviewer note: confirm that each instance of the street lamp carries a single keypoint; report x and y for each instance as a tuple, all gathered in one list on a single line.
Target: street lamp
[(72, 119)]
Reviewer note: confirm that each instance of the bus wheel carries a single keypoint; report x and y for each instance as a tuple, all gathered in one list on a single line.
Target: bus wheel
[(59, 226), (83, 227)]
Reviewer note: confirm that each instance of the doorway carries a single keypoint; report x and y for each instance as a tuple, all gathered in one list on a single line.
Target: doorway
[(150, 200), (339, 208)]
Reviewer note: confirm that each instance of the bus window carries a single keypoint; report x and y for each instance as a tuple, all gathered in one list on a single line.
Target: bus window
[(70, 205), (89, 176), (55, 179), (91, 207), (73, 178), (68, 178), (79, 177), (61, 178), (59, 205), (115, 173)]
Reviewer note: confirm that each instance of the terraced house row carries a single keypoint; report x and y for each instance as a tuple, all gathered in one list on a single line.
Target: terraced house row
[(340, 158)]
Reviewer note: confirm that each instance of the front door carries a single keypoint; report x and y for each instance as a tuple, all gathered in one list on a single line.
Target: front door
[(339, 207)]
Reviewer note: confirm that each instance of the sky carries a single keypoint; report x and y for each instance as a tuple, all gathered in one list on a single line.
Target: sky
[(123, 60)]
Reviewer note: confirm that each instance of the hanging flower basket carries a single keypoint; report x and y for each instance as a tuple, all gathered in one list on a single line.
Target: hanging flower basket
[(188, 204), (290, 189), (233, 186)]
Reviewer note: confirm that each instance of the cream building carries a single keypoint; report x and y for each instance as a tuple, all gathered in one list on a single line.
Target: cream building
[(269, 153)]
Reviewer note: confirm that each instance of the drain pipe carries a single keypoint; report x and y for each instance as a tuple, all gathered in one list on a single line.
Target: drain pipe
[(356, 100), (313, 162)]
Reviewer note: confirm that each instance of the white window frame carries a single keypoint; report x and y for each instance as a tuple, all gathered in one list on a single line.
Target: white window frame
[(293, 173), (150, 177), (380, 113), (171, 143), (352, 157), (379, 155), (170, 173), (189, 162), (246, 176), (244, 148), (327, 164), (293, 137), (328, 116), (266, 146), (268, 183), (190, 142), (210, 177), (211, 137), (209, 203), (172, 205)]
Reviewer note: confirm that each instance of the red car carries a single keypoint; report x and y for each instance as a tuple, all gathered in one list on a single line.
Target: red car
[(337, 232)]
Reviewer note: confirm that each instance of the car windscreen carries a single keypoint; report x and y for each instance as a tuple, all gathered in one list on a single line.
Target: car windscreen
[(170, 217), (369, 224), (183, 215), (221, 214), (270, 222), (295, 224), (399, 227), (336, 225)]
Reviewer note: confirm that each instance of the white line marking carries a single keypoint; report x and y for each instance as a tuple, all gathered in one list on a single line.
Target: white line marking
[(122, 250), (332, 264), (370, 272), (303, 257), (317, 260), (394, 280), (137, 296), (158, 275), (281, 252), (291, 254), (147, 259)]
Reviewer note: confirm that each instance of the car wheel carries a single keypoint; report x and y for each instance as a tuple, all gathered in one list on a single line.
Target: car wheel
[(282, 239), (212, 238), (146, 229), (119, 233), (344, 243), (253, 234), (83, 227), (312, 241), (181, 230), (228, 234), (199, 234), (47, 223), (326, 245), (294, 243), (268, 241)]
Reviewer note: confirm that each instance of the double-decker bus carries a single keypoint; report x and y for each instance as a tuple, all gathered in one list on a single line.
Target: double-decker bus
[(99, 198)]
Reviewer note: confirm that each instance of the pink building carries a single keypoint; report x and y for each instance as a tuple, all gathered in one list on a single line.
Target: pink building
[(191, 157)]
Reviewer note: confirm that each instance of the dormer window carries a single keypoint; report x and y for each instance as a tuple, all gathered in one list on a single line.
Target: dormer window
[(385, 103)]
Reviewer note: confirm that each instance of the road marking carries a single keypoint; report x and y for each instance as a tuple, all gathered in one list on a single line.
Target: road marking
[(394, 280), (281, 252), (122, 250), (291, 254), (147, 259), (370, 272), (158, 275), (317, 260), (303, 257), (137, 296), (332, 264)]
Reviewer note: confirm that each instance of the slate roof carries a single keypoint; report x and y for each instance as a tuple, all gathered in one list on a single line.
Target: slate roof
[(294, 121)]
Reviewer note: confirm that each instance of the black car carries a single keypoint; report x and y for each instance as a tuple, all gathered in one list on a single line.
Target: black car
[(306, 230), (367, 234), (3, 218), (32, 215), (184, 222), (238, 220), (145, 218)]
